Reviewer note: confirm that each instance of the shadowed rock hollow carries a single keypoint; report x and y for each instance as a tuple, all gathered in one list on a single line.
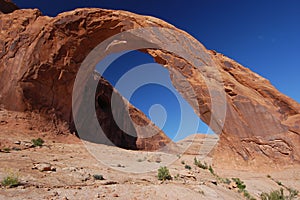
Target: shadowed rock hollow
[(40, 57)]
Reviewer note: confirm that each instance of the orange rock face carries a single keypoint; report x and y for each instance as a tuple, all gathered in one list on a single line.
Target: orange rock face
[(262, 124), (40, 57), (38, 68)]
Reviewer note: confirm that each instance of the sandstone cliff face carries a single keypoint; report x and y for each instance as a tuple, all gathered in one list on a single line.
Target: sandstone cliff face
[(40, 57), (262, 124), (38, 68)]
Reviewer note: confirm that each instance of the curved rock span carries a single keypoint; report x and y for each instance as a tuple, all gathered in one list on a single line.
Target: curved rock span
[(40, 57)]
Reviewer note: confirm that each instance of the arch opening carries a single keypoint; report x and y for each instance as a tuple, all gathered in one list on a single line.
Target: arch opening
[(156, 97), (181, 63)]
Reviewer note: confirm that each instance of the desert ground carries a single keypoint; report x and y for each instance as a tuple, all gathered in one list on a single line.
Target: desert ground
[(65, 168)]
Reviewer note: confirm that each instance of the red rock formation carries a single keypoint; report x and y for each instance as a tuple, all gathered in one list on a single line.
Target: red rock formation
[(262, 124), (40, 57), (38, 69)]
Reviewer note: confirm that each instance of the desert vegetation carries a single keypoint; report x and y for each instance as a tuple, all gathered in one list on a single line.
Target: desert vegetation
[(199, 164), (10, 180), (279, 195), (98, 177), (37, 142), (164, 174), (188, 167), (6, 150)]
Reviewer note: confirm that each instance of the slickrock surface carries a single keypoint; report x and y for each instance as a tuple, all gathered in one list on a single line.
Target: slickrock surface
[(72, 169)]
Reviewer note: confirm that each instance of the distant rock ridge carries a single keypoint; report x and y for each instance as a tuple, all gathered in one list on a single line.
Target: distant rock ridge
[(40, 57)]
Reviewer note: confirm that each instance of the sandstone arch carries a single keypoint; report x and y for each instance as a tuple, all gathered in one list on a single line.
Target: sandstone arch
[(40, 57)]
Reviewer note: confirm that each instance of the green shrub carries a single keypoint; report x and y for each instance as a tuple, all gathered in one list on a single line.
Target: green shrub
[(273, 195), (225, 180), (37, 142), (188, 167), (177, 177), (293, 193), (199, 164), (279, 195), (6, 150), (211, 170), (242, 188), (98, 177), (10, 180), (164, 174), (247, 195), (240, 184)]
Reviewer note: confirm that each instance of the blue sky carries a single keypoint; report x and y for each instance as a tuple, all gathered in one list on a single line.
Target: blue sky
[(147, 86), (260, 34)]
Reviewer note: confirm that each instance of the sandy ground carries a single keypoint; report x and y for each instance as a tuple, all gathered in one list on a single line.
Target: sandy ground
[(128, 174)]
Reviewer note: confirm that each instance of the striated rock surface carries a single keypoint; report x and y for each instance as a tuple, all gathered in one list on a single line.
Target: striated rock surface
[(262, 124), (40, 57), (36, 74)]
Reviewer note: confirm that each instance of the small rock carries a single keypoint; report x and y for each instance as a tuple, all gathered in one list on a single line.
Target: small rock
[(214, 182), (70, 169), (232, 185), (115, 195), (154, 158), (22, 187), (97, 196), (16, 149), (27, 144), (17, 142), (65, 198), (43, 167), (55, 193)]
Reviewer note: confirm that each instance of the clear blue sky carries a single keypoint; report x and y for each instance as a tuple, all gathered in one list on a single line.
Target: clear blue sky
[(260, 34)]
